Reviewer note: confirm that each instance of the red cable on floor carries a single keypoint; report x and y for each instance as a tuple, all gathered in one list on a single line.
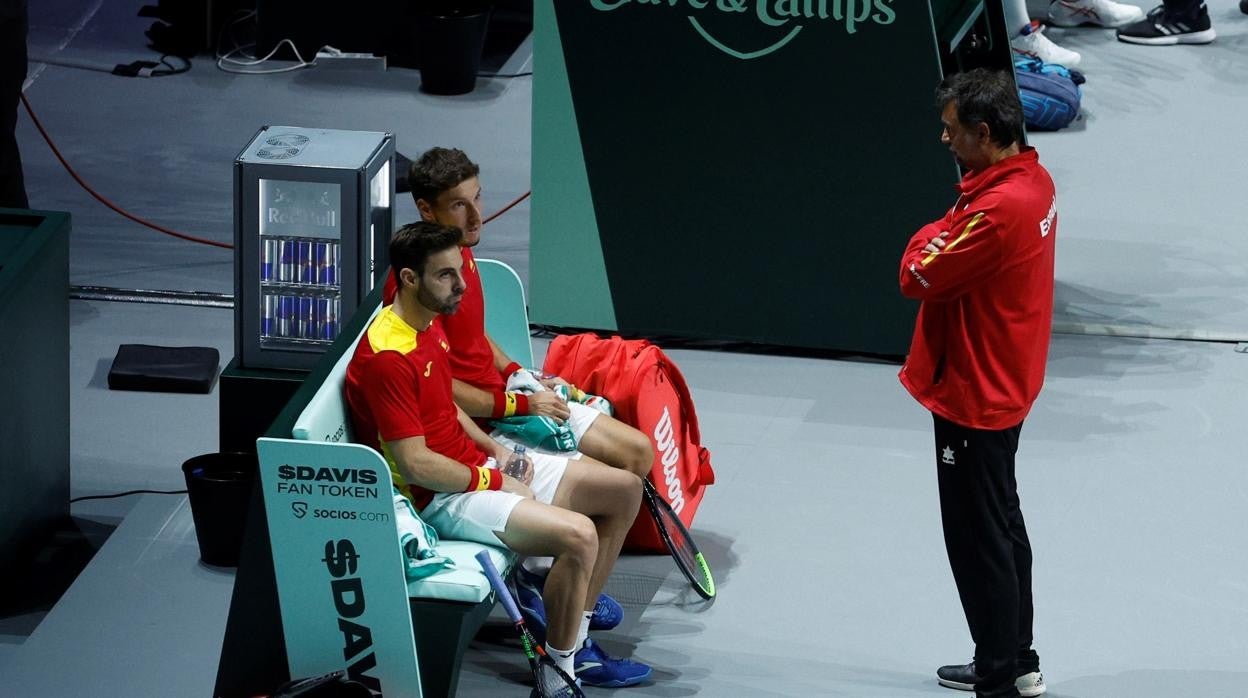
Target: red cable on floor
[(106, 202), (162, 229)]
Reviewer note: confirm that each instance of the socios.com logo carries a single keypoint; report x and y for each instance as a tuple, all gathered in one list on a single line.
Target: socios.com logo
[(786, 17), (300, 509)]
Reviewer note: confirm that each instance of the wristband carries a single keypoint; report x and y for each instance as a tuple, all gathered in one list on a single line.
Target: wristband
[(510, 404), (510, 369), (483, 479)]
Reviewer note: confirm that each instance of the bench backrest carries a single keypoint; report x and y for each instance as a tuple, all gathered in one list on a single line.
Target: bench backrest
[(506, 312), (325, 418)]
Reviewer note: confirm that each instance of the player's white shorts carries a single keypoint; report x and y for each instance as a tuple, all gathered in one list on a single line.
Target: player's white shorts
[(478, 516)]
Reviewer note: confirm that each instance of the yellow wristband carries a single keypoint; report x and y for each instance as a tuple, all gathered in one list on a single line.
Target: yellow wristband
[(483, 479)]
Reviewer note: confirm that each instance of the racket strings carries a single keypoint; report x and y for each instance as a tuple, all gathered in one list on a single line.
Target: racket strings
[(552, 683)]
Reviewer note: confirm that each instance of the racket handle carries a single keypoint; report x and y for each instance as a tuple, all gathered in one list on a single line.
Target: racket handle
[(500, 587)]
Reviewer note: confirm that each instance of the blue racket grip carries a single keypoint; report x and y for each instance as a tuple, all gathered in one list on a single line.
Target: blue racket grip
[(500, 587)]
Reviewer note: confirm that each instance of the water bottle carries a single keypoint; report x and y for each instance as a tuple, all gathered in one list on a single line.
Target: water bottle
[(519, 466)]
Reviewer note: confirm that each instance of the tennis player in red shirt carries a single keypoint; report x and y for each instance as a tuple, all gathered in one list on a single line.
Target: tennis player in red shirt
[(398, 390)]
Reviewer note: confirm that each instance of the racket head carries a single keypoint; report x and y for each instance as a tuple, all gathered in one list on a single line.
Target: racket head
[(553, 682), (679, 542)]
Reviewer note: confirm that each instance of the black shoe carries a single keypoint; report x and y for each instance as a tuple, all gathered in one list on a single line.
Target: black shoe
[(1243, 6), (1161, 28), (964, 678)]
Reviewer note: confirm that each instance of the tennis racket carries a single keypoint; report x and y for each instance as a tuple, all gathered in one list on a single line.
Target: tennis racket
[(551, 681), (674, 534)]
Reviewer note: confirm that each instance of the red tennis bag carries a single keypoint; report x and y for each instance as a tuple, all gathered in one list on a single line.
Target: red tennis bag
[(649, 393)]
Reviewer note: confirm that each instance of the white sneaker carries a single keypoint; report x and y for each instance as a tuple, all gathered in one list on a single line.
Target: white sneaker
[(1104, 13), (1030, 685), (1037, 45)]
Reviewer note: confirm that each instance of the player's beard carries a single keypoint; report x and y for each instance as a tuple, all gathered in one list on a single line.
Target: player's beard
[(442, 306)]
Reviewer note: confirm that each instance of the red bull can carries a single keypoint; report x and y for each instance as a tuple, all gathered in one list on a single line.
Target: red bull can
[(305, 265), (286, 261), (268, 260), (327, 318), (305, 320), (325, 255), (268, 315), (286, 307)]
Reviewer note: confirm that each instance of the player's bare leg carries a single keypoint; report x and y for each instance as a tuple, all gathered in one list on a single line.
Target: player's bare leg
[(540, 529), (610, 497), (610, 441)]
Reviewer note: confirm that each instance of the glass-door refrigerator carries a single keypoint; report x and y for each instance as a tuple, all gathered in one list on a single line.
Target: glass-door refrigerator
[(313, 216)]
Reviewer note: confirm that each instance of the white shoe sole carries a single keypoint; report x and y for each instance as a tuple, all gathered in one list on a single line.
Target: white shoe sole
[(1072, 23), (1202, 37), (1029, 685)]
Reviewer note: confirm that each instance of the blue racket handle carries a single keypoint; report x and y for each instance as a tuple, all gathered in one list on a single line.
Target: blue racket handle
[(500, 588)]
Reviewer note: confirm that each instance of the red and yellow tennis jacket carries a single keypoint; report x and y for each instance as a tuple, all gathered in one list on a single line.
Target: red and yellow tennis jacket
[(982, 334)]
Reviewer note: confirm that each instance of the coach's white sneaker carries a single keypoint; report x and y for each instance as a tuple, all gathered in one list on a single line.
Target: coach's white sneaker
[(1104, 13), (1030, 684), (1036, 45)]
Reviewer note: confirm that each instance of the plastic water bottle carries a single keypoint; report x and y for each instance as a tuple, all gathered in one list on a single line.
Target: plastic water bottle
[(519, 466)]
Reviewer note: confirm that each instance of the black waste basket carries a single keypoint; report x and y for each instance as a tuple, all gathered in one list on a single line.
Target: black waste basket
[(219, 487), (450, 36)]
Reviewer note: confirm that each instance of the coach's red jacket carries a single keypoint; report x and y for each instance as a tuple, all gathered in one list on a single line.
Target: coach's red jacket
[(982, 335)]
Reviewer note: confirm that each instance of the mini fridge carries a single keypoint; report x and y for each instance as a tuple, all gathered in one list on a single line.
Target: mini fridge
[(313, 216)]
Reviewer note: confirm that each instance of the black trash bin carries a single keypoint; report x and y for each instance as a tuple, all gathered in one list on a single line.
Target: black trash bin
[(450, 36), (219, 488)]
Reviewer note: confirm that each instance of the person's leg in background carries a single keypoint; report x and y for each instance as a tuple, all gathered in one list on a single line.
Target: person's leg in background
[(1097, 13), (12, 74), (1172, 22), (1029, 39)]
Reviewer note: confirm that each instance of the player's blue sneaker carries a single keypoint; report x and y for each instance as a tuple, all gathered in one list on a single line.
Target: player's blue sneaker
[(528, 586), (607, 613), (528, 592), (597, 668)]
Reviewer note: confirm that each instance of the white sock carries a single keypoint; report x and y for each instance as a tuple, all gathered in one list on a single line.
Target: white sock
[(565, 659), (582, 633)]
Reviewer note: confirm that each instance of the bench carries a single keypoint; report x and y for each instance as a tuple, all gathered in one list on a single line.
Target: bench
[(318, 481)]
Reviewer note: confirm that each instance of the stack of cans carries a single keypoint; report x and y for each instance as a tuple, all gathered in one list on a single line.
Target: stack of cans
[(304, 262), (299, 317), (299, 313)]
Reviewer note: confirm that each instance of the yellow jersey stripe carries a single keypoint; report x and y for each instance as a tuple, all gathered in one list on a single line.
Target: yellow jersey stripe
[(965, 232), (388, 331)]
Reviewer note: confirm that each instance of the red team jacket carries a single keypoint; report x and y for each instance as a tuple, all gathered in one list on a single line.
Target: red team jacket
[(982, 334)]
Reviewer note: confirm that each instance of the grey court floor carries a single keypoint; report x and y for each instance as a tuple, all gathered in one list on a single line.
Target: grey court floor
[(823, 526)]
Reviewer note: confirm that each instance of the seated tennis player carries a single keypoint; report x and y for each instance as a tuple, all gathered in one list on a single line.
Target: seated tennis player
[(398, 391), (447, 190)]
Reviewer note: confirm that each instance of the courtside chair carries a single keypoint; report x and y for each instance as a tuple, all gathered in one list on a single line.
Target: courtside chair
[(506, 312)]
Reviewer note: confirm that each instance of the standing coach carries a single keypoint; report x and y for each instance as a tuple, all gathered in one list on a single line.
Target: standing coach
[(984, 274)]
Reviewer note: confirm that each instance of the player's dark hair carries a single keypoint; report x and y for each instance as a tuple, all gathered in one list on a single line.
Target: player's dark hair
[(412, 245), (985, 96), (438, 170)]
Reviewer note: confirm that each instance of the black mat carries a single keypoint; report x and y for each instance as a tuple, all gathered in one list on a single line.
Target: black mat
[(164, 369)]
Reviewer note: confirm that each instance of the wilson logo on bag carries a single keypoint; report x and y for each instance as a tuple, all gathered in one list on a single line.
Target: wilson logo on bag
[(649, 393)]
